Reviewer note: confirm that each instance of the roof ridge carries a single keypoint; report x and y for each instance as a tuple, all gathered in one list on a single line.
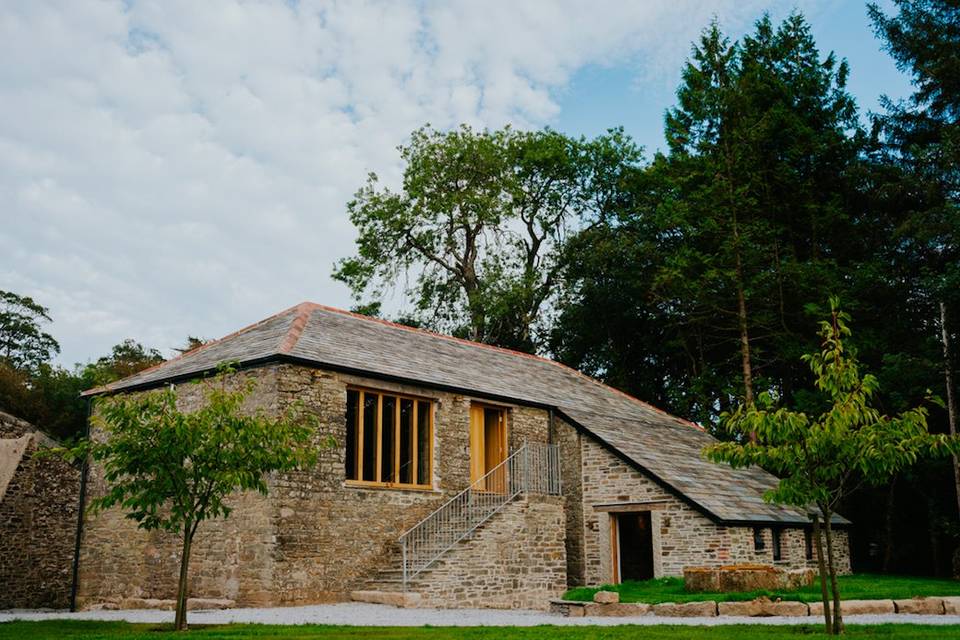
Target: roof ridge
[(304, 309), (198, 349), (483, 345)]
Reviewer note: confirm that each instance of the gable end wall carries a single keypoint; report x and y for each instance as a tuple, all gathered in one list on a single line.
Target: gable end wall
[(683, 536)]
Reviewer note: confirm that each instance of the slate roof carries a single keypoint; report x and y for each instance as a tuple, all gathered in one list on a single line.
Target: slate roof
[(664, 446)]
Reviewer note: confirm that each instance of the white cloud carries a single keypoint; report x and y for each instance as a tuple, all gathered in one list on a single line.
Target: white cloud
[(171, 168)]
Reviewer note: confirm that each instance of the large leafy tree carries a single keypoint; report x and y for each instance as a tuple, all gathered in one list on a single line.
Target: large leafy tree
[(921, 138), (172, 470), (477, 228), (822, 458), (733, 232), (24, 345)]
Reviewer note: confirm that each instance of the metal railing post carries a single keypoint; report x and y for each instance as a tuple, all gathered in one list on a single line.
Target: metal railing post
[(465, 512), (403, 552)]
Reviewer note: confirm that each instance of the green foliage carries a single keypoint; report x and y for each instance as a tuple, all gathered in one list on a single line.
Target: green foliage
[(125, 359), (822, 458), (23, 343), (170, 469), (861, 586), (479, 224), (755, 197)]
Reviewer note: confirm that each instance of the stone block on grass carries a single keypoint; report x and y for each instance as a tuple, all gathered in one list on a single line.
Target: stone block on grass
[(951, 606), (920, 606), (685, 609), (857, 607), (606, 597), (616, 609)]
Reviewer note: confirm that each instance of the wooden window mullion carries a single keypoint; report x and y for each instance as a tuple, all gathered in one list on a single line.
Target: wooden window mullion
[(379, 437), (360, 407), (396, 441), (414, 443)]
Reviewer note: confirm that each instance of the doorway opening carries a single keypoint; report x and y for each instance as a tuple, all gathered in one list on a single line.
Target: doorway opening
[(632, 545), (488, 445)]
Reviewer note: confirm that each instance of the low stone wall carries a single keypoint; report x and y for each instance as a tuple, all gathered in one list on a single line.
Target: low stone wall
[(761, 607), (38, 520), (518, 560)]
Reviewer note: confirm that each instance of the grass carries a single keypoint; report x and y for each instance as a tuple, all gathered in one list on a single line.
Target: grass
[(862, 586), (75, 629)]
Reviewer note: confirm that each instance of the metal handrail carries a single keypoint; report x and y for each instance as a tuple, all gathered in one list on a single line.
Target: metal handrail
[(533, 468)]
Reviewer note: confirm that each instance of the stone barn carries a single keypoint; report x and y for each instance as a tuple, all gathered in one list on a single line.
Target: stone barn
[(464, 475)]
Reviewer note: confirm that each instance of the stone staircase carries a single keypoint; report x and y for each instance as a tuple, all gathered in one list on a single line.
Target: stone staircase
[(453, 526)]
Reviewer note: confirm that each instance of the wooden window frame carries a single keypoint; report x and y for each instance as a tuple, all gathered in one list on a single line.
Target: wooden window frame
[(414, 433)]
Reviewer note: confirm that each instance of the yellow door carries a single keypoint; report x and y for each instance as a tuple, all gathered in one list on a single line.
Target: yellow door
[(477, 450), (488, 445)]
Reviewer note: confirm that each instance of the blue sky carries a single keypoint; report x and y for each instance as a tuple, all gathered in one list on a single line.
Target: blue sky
[(173, 168), (621, 94)]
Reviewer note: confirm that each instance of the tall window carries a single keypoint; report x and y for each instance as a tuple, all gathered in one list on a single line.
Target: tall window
[(777, 552), (389, 439), (808, 544)]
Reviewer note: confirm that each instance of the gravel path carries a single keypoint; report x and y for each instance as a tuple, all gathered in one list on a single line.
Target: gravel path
[(355, 613)]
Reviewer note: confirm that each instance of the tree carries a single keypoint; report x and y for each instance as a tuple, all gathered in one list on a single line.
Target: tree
[(23, 344), (125, 359), (822, 458), (732, 232), (478, 226), (922, 138), (172, 470)]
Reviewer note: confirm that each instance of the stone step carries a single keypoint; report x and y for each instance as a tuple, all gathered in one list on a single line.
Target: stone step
[(408, 599)]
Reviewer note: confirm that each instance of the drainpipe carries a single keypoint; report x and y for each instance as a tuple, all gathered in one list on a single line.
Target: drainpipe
[(84, 470)]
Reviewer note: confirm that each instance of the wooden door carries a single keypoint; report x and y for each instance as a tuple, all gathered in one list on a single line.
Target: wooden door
[(488, 444)]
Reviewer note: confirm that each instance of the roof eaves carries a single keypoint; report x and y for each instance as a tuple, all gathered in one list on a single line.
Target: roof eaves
[(117, 384)]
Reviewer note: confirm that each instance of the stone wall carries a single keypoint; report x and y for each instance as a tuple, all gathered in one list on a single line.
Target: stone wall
[(38, 520), (568, 440), (316, 537), (682, 535), (516, 560), (14, 427)]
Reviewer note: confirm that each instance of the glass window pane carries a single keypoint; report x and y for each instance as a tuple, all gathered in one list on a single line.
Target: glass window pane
[(350, 459), (423, 443), (387, 433), (369, 466), (406, 434)]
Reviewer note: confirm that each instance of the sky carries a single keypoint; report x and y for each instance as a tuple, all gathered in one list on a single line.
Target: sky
[(172, 168)]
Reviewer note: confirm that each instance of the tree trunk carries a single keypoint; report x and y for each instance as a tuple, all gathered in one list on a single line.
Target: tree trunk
[(832, 568), (180, 621), (951, 398), (822, 566), (888, 527)]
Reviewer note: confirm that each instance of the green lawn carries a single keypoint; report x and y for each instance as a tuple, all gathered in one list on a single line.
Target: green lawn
[(66, 630), (861, 586)]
